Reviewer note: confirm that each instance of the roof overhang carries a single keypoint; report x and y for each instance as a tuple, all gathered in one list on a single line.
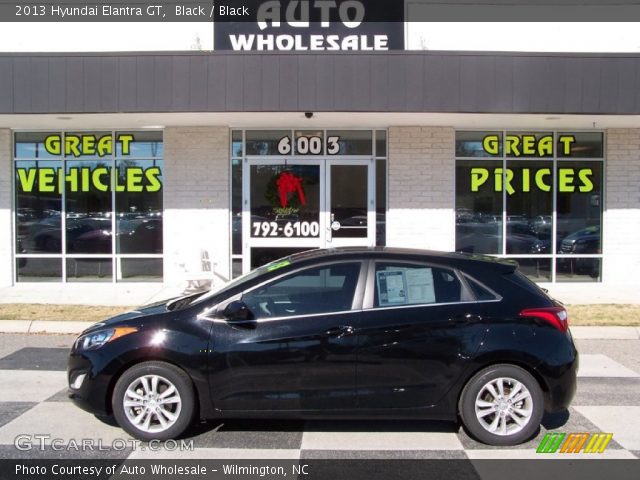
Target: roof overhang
[(319, 120), (374, 82)]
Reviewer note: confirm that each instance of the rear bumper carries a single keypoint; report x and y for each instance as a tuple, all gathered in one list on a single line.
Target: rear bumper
[(561, 382)]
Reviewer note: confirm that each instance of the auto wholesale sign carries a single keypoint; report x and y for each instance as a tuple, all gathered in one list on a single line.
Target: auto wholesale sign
[(311, 25)]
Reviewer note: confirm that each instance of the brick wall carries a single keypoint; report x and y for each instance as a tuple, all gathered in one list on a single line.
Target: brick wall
[(421, 188), (6, 229), (621, 227), (196, 199)]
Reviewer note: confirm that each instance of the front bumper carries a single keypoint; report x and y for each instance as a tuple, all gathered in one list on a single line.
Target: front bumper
[(91, 392)]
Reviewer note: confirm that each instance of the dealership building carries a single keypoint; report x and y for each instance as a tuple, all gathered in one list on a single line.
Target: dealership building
[(144, 168)]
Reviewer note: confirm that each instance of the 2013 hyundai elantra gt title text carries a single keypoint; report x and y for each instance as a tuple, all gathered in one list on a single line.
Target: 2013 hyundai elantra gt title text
[(342, 333)]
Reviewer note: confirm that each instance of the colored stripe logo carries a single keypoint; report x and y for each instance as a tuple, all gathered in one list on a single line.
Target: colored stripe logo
[(574, 443)]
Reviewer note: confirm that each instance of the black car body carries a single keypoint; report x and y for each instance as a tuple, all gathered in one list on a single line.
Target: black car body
[(387, 333)]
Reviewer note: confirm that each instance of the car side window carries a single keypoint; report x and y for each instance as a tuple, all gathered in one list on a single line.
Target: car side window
[(409, 284), (322, 289)]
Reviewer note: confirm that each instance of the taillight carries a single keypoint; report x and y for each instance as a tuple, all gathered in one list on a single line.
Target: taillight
[(556, 316)]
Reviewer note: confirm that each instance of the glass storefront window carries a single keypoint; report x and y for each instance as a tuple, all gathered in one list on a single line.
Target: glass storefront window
[(88, 207), (140, 269), (579, 201), (35, 269), (139, 206), (478, 144), (580, 145), (528, 145), (38, 206), (31, 145), (539, 202), (529, 205), (264, 142), (381, 143), (236, 143), (308, 142), (93, 172), (146, 144), (578, 269), (236, 206), (89, 269), (352, 142), (381, 202), (478, 207)]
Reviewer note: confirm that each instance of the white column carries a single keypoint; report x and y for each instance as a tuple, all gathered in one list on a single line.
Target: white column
[(196, 199), (621, 225), (6, 210), (421, 188)]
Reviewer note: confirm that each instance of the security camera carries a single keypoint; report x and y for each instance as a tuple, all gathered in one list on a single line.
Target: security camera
[(308, 114)]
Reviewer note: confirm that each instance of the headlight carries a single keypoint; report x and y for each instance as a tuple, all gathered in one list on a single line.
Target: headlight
[(94, 340)]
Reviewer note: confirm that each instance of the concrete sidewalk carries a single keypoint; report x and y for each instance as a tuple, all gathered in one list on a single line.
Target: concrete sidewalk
[(127, 294), (105, 294), (53, 327)]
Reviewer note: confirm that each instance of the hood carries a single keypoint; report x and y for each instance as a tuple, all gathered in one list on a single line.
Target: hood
[(123, 318), (150, 310)]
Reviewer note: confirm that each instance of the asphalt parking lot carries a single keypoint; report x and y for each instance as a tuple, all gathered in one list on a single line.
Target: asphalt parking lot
[(33, 405)]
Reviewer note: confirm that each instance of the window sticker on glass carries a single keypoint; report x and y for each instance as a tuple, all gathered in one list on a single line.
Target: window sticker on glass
[(391, 287), (420, 285), (405, 286)]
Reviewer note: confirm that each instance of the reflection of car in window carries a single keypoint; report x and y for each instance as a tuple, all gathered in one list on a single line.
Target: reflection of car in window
[(142, 236), (89, 235), (586, 240), (541, 224)]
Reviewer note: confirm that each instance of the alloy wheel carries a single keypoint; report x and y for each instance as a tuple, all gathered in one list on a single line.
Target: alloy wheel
[(504, 406), (152, 403)]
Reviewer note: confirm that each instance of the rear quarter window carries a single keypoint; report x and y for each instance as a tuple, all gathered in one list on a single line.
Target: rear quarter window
[(479, 291), (522, 281)]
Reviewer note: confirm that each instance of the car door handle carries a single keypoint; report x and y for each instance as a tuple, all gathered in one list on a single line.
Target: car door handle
[(341, 331)]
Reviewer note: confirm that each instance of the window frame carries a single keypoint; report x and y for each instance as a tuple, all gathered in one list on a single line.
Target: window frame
[(116, 258), (554, 160)]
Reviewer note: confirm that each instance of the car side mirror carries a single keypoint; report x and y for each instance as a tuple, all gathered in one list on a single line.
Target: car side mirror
[(237, 311)]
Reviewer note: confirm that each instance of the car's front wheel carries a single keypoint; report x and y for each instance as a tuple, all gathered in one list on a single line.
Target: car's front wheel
[(502, 405), (154, 400)]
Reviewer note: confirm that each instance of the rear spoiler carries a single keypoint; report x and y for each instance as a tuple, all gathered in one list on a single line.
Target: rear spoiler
[(502, 265)]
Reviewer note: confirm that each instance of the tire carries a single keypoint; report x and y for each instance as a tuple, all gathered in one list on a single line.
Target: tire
[(169, 414), (501, 419)]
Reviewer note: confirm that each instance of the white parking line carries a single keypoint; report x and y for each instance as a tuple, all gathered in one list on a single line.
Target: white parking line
[(597, 365)]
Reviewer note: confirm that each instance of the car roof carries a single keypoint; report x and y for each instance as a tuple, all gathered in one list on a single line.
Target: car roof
[(454, 259)]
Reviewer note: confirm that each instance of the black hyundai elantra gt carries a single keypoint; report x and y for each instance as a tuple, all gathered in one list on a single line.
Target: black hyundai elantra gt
[(343, 333)]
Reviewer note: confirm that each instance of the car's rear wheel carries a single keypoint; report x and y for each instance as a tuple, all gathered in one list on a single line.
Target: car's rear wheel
[(502, 405), (154, 400)]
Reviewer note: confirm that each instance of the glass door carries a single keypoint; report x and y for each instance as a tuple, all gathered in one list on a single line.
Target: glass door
[(291, 205), (351, 208), (283, 202)]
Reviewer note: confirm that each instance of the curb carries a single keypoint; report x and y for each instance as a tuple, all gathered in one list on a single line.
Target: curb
[(54, 327), (40, 326)]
